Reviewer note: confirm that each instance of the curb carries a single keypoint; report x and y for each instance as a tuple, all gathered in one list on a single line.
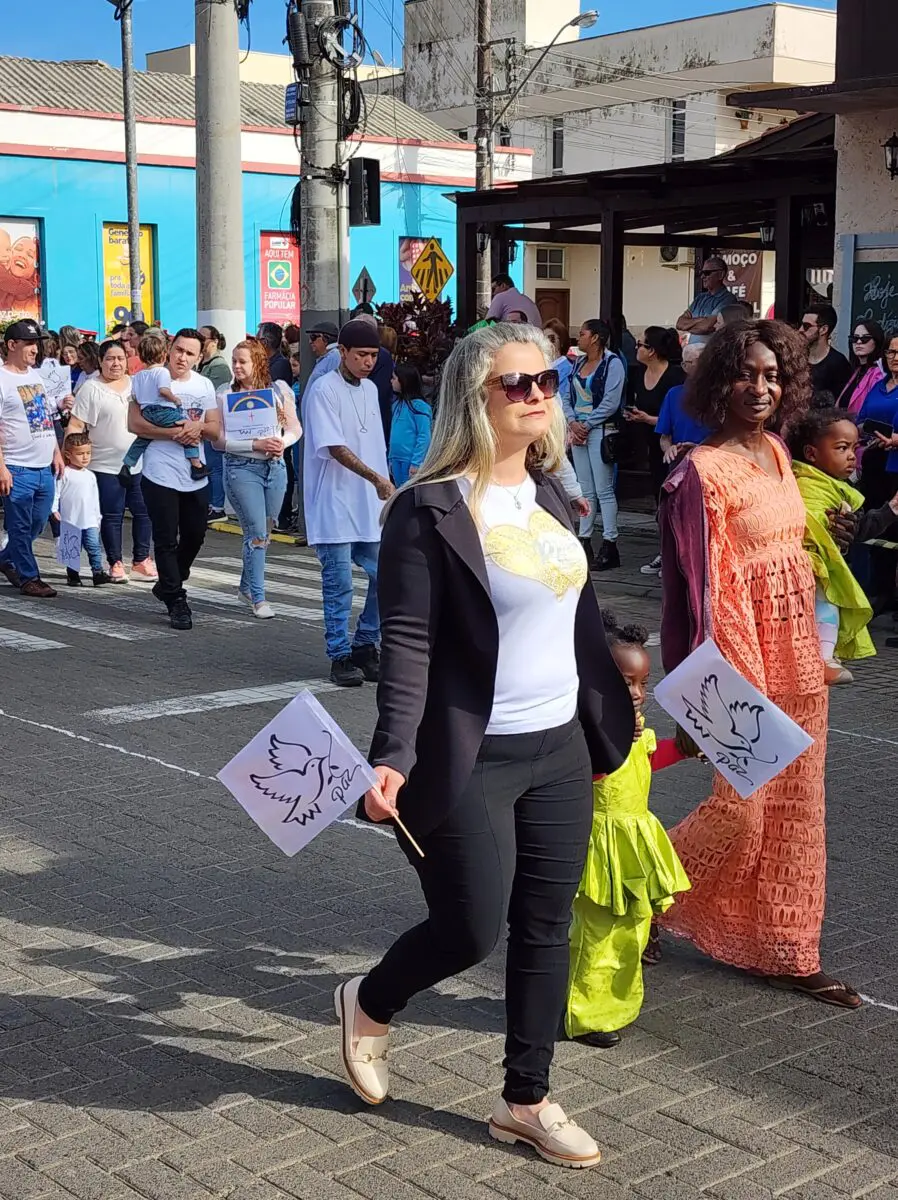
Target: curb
[(287, 539)]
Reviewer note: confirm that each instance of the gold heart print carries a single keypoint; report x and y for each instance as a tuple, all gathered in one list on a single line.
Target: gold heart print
[(545, 552)]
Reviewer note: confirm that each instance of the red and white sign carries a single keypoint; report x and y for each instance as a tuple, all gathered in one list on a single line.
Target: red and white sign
[(279, 281)]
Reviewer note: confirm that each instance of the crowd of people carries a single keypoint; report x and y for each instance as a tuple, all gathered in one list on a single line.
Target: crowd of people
[(510, 741)]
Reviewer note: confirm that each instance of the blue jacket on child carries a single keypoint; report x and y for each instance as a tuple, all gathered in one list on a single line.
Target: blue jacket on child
[(409, 437)]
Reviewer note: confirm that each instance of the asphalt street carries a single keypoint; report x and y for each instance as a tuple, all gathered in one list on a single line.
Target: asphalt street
[(166, 1020)]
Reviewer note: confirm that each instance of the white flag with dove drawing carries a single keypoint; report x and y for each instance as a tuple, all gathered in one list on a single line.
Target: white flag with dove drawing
[(742, 732), (298, 774)]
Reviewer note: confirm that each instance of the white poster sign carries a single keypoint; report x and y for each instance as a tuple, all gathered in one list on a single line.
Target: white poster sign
[(296, 776), (68, 546), (743, 733), (250, 415)]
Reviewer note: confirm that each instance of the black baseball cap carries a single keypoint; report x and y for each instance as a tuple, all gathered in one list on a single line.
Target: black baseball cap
[(327, 329), (25, 330)]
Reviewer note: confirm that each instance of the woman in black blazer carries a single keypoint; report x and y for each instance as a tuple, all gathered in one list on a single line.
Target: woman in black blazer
[(498, 700)]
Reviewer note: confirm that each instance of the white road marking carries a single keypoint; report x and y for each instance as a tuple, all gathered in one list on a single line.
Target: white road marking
[(282, 610), (208, 701), (44, 610), (121, 598), (866, 737), (11, 639), (284, 589), (159, 762), (311, 572), (878, 1003)]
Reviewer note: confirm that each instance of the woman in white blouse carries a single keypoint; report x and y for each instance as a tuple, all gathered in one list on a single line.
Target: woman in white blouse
[(255, 475), (101, 407), (498, 700)]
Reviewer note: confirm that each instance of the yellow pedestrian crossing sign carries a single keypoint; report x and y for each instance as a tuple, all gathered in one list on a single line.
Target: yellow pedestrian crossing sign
[(432, 270)]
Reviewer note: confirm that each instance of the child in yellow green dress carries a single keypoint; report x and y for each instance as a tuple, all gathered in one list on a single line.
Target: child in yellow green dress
[(824, 455), (632, 871)]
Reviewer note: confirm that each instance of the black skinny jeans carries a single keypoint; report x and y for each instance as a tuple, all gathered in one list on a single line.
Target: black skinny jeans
[(512, 849), (179, 528)]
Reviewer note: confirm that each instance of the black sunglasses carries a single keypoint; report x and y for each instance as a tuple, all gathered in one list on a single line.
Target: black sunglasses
[(518, 386), (858, 337)]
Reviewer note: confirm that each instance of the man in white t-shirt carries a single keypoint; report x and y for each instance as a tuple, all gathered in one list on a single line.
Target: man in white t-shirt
[(29, 458), (345, 482), (177, 502)]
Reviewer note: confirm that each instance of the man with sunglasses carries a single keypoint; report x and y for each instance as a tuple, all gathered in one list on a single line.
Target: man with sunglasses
[(700, 318), (830, 370), (323, 344)]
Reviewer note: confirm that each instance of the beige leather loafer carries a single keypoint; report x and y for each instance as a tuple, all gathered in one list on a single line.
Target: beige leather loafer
[(365, 1066), (557, 1139)]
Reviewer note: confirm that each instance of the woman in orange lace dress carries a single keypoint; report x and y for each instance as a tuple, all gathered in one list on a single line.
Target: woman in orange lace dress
[(733, 568)]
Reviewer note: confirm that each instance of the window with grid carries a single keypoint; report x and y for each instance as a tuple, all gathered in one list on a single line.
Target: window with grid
[(550, 262)]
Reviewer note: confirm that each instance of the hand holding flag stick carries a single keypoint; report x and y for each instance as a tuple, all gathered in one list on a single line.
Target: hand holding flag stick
[(380, 802)]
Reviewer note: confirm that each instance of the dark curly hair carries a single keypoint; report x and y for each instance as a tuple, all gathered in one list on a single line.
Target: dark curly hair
[(810, 428), (623, 635), (708, 389)]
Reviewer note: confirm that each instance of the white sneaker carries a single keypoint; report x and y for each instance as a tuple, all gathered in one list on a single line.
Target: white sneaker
[(365, 1067), (263, 610), (558, 1139), (652, 568), (246, 598)]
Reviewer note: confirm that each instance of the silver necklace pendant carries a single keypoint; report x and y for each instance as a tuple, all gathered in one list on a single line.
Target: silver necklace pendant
[(517, 503)]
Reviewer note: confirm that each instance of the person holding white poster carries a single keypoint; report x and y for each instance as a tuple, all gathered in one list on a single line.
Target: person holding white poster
[(255, 475), (498, 701), (734, 569)]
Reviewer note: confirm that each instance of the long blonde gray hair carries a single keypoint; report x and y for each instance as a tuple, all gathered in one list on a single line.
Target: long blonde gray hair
[(464, 442)]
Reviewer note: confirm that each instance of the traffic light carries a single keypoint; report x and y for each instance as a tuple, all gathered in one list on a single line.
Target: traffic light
[(364, 191)]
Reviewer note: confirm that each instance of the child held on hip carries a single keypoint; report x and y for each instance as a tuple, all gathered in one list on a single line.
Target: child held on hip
[(824, 456), (159, 405)]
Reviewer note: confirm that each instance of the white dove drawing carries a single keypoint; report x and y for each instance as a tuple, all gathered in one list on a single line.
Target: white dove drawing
[(299, 777), (735, 726)]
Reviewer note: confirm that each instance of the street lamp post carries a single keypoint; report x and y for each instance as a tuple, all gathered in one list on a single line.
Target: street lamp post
[(488, 121), (123, 16)]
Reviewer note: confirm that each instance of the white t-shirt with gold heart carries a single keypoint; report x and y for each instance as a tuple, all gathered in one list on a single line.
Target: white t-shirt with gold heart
[(536, 570)]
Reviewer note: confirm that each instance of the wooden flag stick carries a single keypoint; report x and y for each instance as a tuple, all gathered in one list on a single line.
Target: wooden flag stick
[(407, 834)]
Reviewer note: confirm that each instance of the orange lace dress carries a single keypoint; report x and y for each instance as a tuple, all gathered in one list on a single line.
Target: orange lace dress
[(758, 866)]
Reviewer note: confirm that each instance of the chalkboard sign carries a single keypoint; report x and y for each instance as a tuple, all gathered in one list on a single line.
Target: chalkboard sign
[(875, 294)]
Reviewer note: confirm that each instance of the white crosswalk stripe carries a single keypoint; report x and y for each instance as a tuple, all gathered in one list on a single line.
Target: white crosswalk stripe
[(278, 568), (230, 600), (208, 701), (207, 575), (49, 612), (12, 639)]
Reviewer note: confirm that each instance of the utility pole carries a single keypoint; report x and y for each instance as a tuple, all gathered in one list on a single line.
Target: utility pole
[(123, 12), (219, 179), (484, 143), (324, 197)]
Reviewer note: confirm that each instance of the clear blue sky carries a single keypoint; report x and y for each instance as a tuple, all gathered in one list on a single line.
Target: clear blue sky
[(86, 29)]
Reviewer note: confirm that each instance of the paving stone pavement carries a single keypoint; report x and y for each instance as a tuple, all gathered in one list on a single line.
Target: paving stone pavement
[(166, 1021)]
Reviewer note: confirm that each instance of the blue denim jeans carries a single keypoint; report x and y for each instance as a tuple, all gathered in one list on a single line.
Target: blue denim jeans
[(215, 463), (26, 511), (336, 560), (90, 541), (256, 492), (114, 498), (597, 480)]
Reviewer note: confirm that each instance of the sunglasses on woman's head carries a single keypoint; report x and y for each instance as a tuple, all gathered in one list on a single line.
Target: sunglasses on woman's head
[(518, 386)]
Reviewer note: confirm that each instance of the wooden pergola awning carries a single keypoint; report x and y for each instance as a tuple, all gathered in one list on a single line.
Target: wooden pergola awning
[(704, 202)]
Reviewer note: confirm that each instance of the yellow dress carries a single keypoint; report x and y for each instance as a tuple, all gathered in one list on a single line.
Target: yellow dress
[(632, 872)]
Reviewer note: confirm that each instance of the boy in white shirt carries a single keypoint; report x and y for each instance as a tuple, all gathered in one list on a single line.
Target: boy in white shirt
[(151, 389), (78, 504)]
